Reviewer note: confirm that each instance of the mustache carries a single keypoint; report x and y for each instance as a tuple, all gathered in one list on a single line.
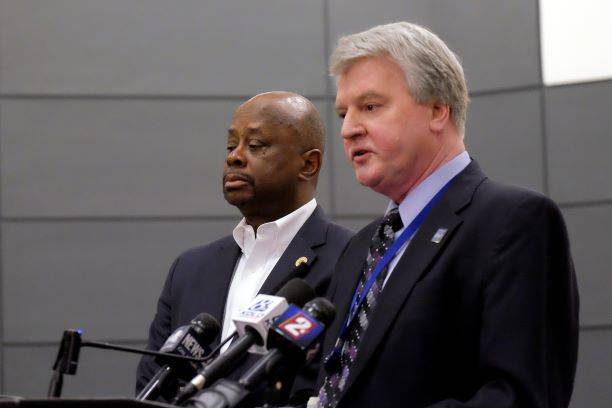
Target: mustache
[(238, 176)]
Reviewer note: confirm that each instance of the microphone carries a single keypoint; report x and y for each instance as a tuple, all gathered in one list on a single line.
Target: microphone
[(252, 325), (294, 339), (191, 340), (67, 360)]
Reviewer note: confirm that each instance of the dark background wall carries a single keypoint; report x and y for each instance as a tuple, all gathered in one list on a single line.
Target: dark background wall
[(113, 118)]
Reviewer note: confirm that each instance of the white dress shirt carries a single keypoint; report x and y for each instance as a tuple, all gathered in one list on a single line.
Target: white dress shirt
[(259, 256)]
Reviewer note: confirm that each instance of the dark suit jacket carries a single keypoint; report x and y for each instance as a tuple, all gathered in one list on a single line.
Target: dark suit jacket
[(199, 279), (486, 318)]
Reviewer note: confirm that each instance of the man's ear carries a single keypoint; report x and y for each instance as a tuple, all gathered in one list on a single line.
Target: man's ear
[(313, 159), (440, 115)]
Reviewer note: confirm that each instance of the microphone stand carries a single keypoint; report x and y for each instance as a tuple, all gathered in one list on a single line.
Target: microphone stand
[(108, 346), (68, 357)]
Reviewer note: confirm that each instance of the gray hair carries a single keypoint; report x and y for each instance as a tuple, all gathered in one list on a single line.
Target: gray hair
[(433, 72)]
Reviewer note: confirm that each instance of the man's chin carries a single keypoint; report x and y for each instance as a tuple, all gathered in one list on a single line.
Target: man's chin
[(368, 180), (238, 198), (377, 184)]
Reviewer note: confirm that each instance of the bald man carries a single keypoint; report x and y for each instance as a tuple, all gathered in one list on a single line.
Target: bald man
[(274, 154)]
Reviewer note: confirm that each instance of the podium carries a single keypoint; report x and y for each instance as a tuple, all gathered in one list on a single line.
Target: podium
[(17, 402)]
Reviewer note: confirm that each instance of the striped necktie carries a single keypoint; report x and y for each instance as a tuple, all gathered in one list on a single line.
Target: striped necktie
[(335, 381)]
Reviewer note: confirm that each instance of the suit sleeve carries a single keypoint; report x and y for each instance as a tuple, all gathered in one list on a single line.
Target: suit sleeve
[(159, 331), (529, 338)]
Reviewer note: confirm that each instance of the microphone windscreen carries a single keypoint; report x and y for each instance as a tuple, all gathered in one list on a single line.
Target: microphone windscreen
[(297, 292), (207, 326), (321, 309)]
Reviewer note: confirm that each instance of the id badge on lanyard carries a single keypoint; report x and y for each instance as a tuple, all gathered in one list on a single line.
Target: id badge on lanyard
[(359, 296)]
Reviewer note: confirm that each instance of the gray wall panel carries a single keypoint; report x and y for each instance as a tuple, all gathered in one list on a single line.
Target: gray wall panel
[(503, 133), (104, 277), (113, 157), (590, 230), (159, 47), (350, 16), (116, 157), (594, 373), (497, 41), (578, 127), (101, 373)]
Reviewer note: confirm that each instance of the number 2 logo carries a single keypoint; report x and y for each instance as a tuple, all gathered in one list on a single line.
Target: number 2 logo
[(298, 326)]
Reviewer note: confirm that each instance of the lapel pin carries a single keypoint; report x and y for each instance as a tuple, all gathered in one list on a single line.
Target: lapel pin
[(439, 235), (301, 260)]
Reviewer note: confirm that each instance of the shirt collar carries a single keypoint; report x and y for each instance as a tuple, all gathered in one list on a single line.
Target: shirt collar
[(278, 233), (422, 194)]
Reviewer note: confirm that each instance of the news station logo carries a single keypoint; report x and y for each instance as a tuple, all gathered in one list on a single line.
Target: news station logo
[(298, 325), (192, 347), (257, 309)]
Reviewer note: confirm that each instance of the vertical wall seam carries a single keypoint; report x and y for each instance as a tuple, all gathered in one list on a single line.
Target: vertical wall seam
[(2, 314), (545, 169), (329, 145), (2, 361)]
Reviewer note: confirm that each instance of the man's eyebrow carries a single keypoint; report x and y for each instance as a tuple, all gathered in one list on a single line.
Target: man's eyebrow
[(364, 96), (254, 129), (250, 129), (369, 95)]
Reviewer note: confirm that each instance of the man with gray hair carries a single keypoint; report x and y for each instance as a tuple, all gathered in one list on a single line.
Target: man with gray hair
[(464, 293)]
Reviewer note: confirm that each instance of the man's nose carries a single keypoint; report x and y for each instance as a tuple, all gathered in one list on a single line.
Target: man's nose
[(351, 126), (236, 157)]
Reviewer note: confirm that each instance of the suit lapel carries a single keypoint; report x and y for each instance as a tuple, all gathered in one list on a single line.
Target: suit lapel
[(419, 254), (228, 253), (312, 234), (347, 279), (285, 268)]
